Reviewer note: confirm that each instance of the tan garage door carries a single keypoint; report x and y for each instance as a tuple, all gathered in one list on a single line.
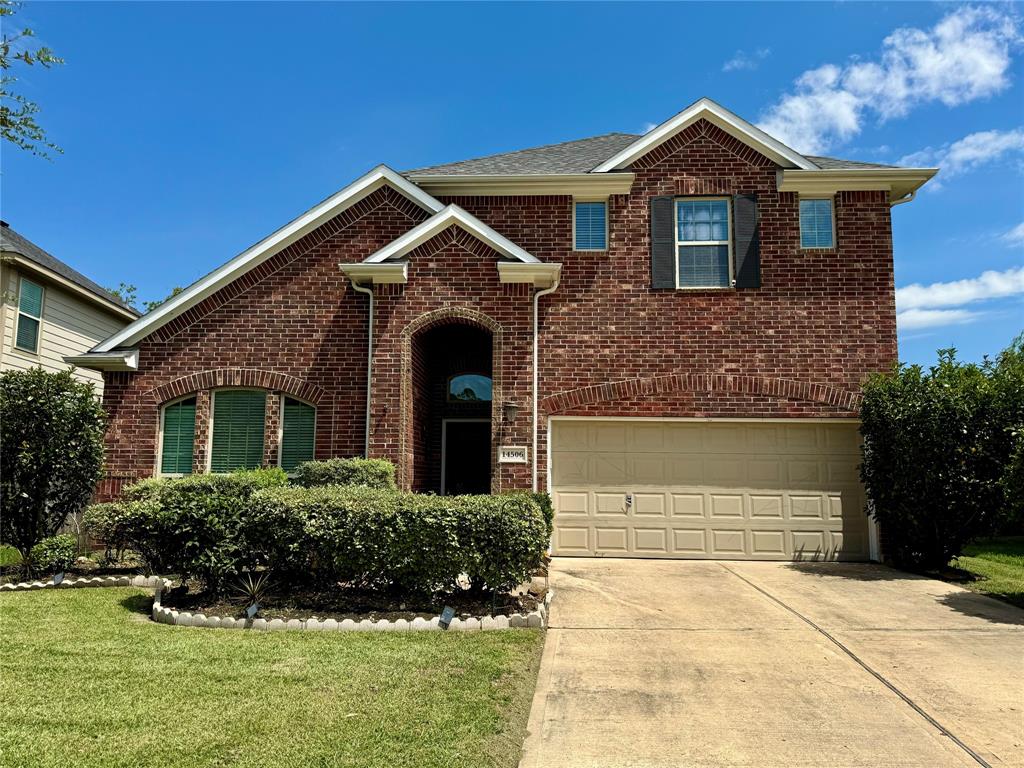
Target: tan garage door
[(692, 489)]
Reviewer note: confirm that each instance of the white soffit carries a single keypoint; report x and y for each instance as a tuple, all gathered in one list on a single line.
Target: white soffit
[(540, 275), (899, 182), (718, 115), (121, 360), (252, 257), (452, 215)]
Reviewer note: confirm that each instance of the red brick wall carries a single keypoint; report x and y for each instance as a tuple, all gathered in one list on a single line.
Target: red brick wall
[(799, 346)]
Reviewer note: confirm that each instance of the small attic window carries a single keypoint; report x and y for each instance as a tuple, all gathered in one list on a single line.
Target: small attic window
[(469, 388), (590, 225)]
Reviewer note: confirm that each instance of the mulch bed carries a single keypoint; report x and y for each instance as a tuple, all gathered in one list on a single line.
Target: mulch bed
[(350, 603)]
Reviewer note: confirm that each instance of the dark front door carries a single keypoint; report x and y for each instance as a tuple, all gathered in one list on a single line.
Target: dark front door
[(467, 457)]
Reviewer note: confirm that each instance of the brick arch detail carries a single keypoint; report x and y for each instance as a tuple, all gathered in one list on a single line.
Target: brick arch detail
[(445, 316), (714, 382), (237, 377)]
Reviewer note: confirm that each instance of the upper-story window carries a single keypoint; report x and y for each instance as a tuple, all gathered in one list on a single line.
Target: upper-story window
[(469, 388), (817, 228), (590, 225), (703, 245), (30, 316)]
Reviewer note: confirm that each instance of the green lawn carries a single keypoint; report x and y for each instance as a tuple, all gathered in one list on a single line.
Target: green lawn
[(998, 565), (87, 680)]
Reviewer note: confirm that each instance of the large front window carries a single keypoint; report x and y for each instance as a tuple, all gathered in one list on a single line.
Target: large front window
[(238, 420), (703, 249)]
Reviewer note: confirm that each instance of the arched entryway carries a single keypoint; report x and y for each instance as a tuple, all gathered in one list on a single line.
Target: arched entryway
[(450, 407)]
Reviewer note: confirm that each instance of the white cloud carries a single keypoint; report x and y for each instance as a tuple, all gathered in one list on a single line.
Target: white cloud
[(964, 57), (988, 285), (648, 127), (968, 153), (930, 318), (1015, 236), (743, 60)]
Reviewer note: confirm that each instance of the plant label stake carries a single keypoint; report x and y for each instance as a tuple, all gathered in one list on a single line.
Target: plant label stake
[(446, 616), (58, 577), (252, 610)]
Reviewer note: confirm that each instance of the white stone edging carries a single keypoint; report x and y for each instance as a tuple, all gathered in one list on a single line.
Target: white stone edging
[(537, 619)]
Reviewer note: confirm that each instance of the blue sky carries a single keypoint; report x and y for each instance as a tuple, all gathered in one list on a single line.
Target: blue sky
[(193, 130)]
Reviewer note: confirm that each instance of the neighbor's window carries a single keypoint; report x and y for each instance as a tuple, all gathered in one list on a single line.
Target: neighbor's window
[(816, 230), (702, 243), (590, 226), (238, 419), (179, 431), (298, 429), (30, 315), (469, 388)]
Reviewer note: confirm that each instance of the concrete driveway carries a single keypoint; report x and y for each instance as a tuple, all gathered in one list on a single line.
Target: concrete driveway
[(697, 663)]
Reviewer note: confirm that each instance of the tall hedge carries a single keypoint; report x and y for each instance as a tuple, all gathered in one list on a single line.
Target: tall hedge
[(938, 447), (51, 453)]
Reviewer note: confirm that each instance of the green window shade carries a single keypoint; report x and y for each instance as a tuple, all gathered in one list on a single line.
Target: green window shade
[(297, 434), (238, 416), (30, 310), (179, 436)]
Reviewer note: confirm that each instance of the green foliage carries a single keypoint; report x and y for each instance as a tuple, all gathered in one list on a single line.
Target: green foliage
[(193, 525), (55, 554), (17, 114), (937, 447), (253, 588), (51, 431), (547, 508), (372, 473), (129, 294), (408, 541)]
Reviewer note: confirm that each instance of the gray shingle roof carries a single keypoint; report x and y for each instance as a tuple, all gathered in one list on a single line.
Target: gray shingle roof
[(11, 241), (835, 164), (580, 156)]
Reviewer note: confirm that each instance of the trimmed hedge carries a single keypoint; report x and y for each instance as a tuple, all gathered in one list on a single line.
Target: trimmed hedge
[(371, 473), (407, 541)]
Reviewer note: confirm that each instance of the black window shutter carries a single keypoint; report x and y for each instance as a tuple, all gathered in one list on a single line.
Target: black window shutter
[(663, 243), (748, 248)]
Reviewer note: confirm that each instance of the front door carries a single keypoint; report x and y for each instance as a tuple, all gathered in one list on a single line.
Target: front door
[(467, 456)]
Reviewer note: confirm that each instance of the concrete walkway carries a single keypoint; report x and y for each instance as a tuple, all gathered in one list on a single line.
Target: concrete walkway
[(697, 663)]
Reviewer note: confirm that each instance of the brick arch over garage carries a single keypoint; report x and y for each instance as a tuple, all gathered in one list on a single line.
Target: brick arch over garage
[(688, 382), (238, 377), (445, 316)]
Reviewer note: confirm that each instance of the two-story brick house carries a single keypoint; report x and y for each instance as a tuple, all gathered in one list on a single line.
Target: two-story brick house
[(667, 331)]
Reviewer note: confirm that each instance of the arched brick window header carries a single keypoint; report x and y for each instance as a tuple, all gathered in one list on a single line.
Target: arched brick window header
[(687, 382), (238, 377)]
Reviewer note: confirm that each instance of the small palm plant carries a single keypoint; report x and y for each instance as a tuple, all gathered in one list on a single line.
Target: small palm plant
[(253, 589)]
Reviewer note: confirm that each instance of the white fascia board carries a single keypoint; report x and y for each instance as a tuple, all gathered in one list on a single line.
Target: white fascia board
[(121, 360), (714, 113), (26, 264), (541, 275), (362, 273), (252, 257), (452, 215), (899, 182), (575, 184)]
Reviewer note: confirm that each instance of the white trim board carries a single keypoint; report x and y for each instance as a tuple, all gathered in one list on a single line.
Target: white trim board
[(252, 257), (451, 215), (718, 115)]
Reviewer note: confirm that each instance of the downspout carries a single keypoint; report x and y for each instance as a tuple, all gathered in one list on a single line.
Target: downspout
[(369, 365), (536, 357)]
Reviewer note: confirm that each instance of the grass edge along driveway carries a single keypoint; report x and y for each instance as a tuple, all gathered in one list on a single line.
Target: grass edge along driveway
[(997, 566), (85, 677)]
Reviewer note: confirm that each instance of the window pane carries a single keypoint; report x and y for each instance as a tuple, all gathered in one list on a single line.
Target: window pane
[(470, 388), (238, 416), (179, 436), (702, 220), (703, 266), (28, 333), (816, 224), (297, 432), (30, 299), (590, 226)]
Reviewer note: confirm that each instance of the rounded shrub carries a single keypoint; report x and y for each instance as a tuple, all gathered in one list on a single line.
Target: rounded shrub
[(371, 473), (54, 554)]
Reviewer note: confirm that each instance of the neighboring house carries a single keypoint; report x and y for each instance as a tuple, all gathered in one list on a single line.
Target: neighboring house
[(666, 331), (51, 311)]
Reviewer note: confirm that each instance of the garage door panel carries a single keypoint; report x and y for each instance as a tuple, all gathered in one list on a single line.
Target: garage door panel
[(708, 489)]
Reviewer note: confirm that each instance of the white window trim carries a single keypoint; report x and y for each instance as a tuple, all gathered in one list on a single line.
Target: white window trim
[(604, 200), (159, 461), (728, 243), (280, 426), (17, 324), (213, 413), (832, 216)]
